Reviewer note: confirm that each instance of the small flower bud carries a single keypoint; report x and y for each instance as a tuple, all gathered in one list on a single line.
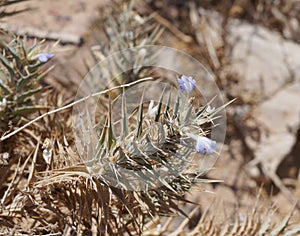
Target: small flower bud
[(44, 56), (152, 110), (186, 84)]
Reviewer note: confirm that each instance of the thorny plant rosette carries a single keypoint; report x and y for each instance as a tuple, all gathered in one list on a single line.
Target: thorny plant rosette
[(153, 143), (21, 70), (155, 132)]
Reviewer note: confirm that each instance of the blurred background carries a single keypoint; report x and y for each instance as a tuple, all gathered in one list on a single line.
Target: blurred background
[(252, 49)]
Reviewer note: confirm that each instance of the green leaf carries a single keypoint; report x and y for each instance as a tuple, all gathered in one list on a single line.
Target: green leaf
[(23, 96), (160, 105), (168, 104), (176, 105), (12, 51), (2, 84), (8, 67), (140, 117), (110, 132), (28, 109), (24, 81), (188, 114), (125, 128)]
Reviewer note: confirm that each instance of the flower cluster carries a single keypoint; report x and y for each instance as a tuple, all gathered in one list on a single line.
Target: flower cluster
[(204, 145)]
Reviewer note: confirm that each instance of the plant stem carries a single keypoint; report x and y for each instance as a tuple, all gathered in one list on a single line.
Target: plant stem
[(72, 104)]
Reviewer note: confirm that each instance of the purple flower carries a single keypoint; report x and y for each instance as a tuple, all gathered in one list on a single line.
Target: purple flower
[(186, 84), (44, 56), (205, 145)]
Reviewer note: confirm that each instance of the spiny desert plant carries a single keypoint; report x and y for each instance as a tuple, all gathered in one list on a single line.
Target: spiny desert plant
[(21, 93), (153, 142), (154, 135), (21, 72), (125, 28)]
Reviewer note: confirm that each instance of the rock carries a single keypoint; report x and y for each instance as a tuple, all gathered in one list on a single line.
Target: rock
[(262, 59), (268, 67), (268, 71), (278, 119)]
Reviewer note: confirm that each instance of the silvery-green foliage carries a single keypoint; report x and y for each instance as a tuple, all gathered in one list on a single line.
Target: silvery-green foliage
[(125, 28), (154, 144), (20, 74)]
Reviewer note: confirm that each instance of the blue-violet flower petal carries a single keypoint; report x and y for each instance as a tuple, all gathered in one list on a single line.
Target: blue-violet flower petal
[(44, 56), (186, 84), (205, 145)]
